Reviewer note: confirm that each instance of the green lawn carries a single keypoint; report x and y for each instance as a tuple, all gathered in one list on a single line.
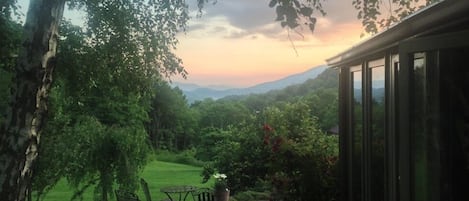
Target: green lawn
[(157, 174)]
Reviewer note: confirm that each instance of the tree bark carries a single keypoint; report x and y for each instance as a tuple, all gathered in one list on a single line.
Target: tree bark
[(20, 133)]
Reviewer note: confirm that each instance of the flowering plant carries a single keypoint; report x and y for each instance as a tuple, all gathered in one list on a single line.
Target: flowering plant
[(220, 182)]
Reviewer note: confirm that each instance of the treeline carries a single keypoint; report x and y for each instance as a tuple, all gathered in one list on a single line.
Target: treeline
[(175, 125)]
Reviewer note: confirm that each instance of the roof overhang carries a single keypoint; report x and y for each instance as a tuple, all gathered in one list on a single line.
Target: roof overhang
[(429, 20)]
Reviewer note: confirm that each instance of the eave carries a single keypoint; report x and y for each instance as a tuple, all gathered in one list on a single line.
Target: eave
[(434, 18)]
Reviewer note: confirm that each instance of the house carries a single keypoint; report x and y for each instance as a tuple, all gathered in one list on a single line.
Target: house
[(404, 109)]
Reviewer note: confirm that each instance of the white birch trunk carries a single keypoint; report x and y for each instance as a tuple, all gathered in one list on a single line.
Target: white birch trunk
[(20, 133)]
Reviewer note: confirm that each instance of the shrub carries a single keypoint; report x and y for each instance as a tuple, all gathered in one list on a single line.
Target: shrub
[(291, 155), (186, 157)]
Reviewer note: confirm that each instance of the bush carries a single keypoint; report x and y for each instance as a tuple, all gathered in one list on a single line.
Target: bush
[(290, 157), (186, 157), (252, 195)]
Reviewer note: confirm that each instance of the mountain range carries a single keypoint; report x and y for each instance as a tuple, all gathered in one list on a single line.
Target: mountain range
[(195, 92)]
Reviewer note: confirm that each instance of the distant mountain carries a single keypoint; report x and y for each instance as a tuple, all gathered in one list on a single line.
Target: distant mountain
[(192, 87), (195, 92)]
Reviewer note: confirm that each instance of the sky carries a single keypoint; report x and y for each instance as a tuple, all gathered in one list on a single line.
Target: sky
[(238, 43)]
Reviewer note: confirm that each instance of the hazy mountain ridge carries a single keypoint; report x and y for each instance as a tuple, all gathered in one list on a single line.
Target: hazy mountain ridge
[(195, 92)]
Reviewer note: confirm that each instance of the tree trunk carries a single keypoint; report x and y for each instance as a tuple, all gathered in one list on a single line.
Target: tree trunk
[(20, 133)]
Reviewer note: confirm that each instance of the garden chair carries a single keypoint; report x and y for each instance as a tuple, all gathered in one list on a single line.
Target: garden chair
[(126, 196), (145, 189), (203, 194)]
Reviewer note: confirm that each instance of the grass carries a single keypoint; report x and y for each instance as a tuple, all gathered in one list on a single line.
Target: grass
[(157, 174)]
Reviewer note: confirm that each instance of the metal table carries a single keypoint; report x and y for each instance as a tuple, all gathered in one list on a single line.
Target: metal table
[(178, 191)]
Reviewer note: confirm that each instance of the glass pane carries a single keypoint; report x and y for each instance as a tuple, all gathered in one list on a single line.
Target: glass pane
[(425, 139), (377, 133), (455, 122), (420, 171), (357, 136)]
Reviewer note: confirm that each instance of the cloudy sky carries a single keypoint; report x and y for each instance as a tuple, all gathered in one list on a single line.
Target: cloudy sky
[(237, 43)]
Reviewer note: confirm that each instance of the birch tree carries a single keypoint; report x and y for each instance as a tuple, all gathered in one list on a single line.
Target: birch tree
[(148, 29), (21, 130)]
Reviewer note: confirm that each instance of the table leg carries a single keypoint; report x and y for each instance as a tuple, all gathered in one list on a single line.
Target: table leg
[(169, 196), (187, 193)]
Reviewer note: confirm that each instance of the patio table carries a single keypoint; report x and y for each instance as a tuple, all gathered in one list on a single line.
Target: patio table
[(181, 192)]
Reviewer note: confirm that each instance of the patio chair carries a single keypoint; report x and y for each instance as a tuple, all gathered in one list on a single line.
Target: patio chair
[(145, 189), (203, 194), (122, 195)]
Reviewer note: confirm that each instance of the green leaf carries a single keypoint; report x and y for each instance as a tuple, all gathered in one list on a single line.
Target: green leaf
[(306, 11), (272, 3), (280, 18), (280, 10), (312, 24), (297, 4), (292, 24)]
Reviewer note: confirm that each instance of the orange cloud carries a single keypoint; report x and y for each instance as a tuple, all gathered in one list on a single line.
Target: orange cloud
[(220, 51)]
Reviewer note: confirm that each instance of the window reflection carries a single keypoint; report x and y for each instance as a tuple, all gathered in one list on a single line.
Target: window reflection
[(377, 133), (425, 147), (420, 172), (357, 135)]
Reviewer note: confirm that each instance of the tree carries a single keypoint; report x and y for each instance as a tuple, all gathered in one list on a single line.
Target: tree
[(172, 123), (20, 134), (144, 33), (94, 105), (220, 114)]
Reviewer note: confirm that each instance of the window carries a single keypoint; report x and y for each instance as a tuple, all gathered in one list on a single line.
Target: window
[(425, 137), (377, 129), (357, 135)]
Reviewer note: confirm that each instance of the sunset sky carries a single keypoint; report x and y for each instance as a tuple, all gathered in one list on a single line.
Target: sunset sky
[(237, 43)]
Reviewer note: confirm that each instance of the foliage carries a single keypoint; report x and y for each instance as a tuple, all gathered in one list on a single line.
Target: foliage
[(293, 13), (321, 94), (5, 81), (10, 40), (290, 13), (186, 157), (296, 159), (302, 161), (279, 146), (86, 151), (324, 105), (93, 104), (207, 139), (376, 14), (220, 114), (172, 125), (251, 195), (141, 34)]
